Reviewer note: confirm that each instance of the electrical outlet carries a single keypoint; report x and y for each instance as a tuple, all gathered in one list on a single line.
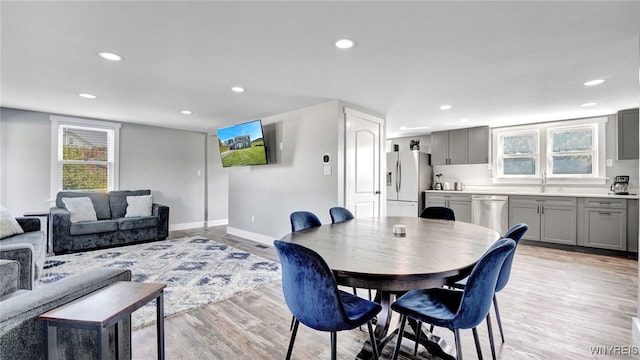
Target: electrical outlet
[(609, 162), (253, 218)]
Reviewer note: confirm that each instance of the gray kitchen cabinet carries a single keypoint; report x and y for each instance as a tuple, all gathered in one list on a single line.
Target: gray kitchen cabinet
[(459, 203), (478, 152), (550, 219), (605, 223), (627, 134), (460, 146), (632, 225)]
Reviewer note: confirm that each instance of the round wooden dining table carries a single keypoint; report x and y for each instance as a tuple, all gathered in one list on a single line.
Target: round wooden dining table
[(367, 253)]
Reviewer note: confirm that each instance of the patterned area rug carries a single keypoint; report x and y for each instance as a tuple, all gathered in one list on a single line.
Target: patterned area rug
[(197, 271)]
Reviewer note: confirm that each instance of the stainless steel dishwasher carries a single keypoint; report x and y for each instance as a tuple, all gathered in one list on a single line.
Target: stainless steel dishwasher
[(491, 211)]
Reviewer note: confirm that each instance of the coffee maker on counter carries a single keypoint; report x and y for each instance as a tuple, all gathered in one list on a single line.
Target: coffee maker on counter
[(621, 185)]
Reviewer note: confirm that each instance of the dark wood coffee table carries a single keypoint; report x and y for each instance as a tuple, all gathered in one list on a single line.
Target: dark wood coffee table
[(104, 308)]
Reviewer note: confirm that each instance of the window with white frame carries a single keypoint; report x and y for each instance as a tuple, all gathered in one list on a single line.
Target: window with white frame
[(567, 152), (85, 154), (518, 153), (572, 151)]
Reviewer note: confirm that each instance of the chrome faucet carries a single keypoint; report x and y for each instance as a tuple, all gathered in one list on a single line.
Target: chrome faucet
[(544, 181)]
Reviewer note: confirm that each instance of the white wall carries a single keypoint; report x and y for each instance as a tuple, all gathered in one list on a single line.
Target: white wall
[(261, 198), (25, 160), (218, 185), (166, 161), (163, 160)]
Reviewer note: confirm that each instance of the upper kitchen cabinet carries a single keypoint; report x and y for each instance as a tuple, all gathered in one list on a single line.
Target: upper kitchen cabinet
[(628, 134), (460, 146), (478, 148)]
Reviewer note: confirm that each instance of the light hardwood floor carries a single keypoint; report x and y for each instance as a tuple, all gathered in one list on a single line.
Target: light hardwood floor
[(558, 305)]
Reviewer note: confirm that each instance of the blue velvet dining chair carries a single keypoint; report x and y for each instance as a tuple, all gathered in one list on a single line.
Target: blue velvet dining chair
[(516, 232), (312, 295), (455, 309), (301, 220), (340, 214), (438, 212)]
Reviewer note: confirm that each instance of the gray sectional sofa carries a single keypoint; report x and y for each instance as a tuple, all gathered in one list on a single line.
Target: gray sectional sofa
[(28, 250), (22, 333), (111, 228)]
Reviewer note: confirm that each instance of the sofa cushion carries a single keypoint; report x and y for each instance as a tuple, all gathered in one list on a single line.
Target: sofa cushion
[(9, 276), (100, 201), (137, 223), (8, 224), (139, 205), (118, 201), (93, 227), (81, 209)]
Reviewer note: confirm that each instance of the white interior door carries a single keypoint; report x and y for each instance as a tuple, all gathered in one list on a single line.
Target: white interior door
[(363, 154)]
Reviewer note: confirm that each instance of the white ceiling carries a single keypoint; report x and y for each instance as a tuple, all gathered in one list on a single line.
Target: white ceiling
[(496, 63)]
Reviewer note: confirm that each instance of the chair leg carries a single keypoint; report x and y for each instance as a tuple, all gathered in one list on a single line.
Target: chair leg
[(293, 338), (374, 344), (477, 341), (396, 351), (418, 332), (293, 319), (456, 333), (490, 330), (495, 305), (334, 345)]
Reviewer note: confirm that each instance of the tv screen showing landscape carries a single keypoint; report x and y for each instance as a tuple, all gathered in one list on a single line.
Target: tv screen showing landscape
[(242, 144)]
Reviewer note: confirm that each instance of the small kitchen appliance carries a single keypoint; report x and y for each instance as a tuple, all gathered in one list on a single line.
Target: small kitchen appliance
[(438, 184), (621, 185)]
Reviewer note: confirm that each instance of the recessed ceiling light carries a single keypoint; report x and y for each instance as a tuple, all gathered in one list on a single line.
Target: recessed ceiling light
[(237, 89), (594, 82), (110, 56), (186, 112), (445, 107), (345, 44), (589, 104), (415, 128), (87, 96), (464, 120)]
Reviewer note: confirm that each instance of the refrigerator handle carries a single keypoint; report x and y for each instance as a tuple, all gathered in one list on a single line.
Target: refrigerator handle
[(398, 176)]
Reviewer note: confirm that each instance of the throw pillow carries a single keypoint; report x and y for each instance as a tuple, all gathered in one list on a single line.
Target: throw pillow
[(81, 209), (139, 206), (8, 224)]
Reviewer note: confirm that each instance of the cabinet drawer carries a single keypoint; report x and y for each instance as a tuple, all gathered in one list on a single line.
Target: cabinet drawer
[(605, 203), (543, 200), (447, 197)]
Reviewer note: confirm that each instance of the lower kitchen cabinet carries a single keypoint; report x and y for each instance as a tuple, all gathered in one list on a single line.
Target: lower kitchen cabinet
[(459, 203), (605, 223), (550, 219)]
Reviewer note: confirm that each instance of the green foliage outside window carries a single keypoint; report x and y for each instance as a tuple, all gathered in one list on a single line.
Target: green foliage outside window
[(77, 176)]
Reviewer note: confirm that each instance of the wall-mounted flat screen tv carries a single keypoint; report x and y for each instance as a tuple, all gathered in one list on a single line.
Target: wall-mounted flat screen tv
[(242, 144)]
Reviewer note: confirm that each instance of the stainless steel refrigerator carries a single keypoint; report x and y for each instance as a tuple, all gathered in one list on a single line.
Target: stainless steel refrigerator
[(409, 174)]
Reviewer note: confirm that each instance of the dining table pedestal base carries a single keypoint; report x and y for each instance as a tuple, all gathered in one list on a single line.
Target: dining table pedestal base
[(435, 345)]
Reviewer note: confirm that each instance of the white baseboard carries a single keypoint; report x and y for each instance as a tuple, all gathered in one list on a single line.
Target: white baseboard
[(185, 226), (218, 222), (267, 240), (197, 225), (635, 331)]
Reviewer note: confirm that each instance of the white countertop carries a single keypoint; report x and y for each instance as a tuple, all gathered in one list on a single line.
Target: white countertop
[(532, 192)]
